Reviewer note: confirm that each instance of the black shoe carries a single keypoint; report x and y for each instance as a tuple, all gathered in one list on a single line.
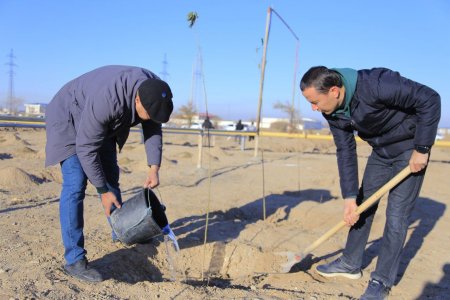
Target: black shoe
[(338, 268), (82, 271), (376, 290)]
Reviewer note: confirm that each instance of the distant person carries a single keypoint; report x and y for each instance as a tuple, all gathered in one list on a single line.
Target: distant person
[(207, 124), (239, 127), (398, 118), (251, 128), (85, 121)]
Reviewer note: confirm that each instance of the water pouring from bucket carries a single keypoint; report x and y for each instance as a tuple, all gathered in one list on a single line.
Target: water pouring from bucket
[(170, 235)]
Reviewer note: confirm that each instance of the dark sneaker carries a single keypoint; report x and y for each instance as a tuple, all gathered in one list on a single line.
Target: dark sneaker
[(375, 291), (338, 268), (83, 271)]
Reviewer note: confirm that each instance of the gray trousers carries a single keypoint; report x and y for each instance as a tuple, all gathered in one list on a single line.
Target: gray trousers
[(400, 203)]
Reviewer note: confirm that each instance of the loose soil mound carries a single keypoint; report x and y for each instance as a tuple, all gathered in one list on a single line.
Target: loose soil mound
[(12, 178)]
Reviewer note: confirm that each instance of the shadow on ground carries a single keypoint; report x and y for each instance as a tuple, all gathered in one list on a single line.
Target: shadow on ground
[(5, 156), (425, 215), (130, 265), (224, 226), (440, 290)]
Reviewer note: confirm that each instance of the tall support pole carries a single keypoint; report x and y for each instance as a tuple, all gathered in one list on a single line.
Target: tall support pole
[(294, 85), (200, 150), (261, 84)]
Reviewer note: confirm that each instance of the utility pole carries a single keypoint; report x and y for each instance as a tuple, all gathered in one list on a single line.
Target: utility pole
[(270, 10), (11, 64), (164, 73), (261, 83)]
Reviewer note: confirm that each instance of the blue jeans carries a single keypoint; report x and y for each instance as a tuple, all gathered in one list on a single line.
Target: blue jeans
[(72, 197), (400, 203)]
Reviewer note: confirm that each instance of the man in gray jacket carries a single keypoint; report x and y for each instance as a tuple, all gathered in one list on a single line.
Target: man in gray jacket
[(84, 122)]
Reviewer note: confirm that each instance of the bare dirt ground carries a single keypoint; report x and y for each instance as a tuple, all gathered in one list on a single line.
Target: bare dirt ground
[(297, 180)]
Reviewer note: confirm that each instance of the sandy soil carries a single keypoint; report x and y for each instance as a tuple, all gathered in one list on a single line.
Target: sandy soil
[(298, 182)]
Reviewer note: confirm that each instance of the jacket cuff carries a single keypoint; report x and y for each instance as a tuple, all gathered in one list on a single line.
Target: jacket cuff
[(102, 190)]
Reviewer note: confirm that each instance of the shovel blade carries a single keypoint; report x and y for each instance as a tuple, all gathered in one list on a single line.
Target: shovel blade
[(296, 262), (290, 259)]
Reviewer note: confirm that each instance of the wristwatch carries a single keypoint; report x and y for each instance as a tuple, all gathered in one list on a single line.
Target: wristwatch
[(422, 149)]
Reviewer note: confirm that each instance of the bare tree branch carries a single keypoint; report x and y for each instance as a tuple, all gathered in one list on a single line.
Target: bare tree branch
[(292, 113)]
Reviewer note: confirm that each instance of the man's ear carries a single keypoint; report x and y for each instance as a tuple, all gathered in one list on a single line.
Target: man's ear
[(137, 99), (335, 90)]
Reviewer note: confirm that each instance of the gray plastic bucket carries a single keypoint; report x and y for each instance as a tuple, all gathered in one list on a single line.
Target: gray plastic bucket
[(140, 218)]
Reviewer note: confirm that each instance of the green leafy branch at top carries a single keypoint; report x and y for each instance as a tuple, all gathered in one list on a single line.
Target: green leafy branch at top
[(191, 18)]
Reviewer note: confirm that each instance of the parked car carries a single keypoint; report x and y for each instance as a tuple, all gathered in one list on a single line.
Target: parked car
[(232, 127), (229, 127), (196, 126)]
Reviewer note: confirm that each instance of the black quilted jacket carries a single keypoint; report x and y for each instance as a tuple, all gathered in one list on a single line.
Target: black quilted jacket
[(391, 113)]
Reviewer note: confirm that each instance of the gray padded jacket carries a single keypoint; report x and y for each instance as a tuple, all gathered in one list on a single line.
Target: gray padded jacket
[(92, 108)]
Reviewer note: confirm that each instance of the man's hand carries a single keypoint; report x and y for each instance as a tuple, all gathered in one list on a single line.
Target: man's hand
[(350, 216), (418, 161), (152, 180), (108, 199)]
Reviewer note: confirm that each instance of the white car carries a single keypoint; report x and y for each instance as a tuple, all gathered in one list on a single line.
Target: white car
[(229, 127), (196, 126), (193, 125), (232, 127)]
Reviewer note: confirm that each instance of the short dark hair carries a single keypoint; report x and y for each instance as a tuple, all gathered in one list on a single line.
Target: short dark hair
[(321, 78)]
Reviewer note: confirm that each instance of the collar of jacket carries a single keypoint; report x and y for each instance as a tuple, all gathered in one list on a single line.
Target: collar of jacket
[(349, 79)]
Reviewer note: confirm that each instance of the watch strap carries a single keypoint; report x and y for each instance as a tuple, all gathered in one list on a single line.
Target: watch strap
[(422, 149)]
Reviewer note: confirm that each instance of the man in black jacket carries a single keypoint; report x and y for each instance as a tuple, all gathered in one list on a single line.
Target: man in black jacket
[(398, 118)]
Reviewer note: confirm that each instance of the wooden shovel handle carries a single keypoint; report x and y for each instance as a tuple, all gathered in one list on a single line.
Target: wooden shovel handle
[(364, 206)]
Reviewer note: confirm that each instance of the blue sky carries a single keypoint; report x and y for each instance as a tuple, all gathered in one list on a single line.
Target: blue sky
[(55, 41)]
